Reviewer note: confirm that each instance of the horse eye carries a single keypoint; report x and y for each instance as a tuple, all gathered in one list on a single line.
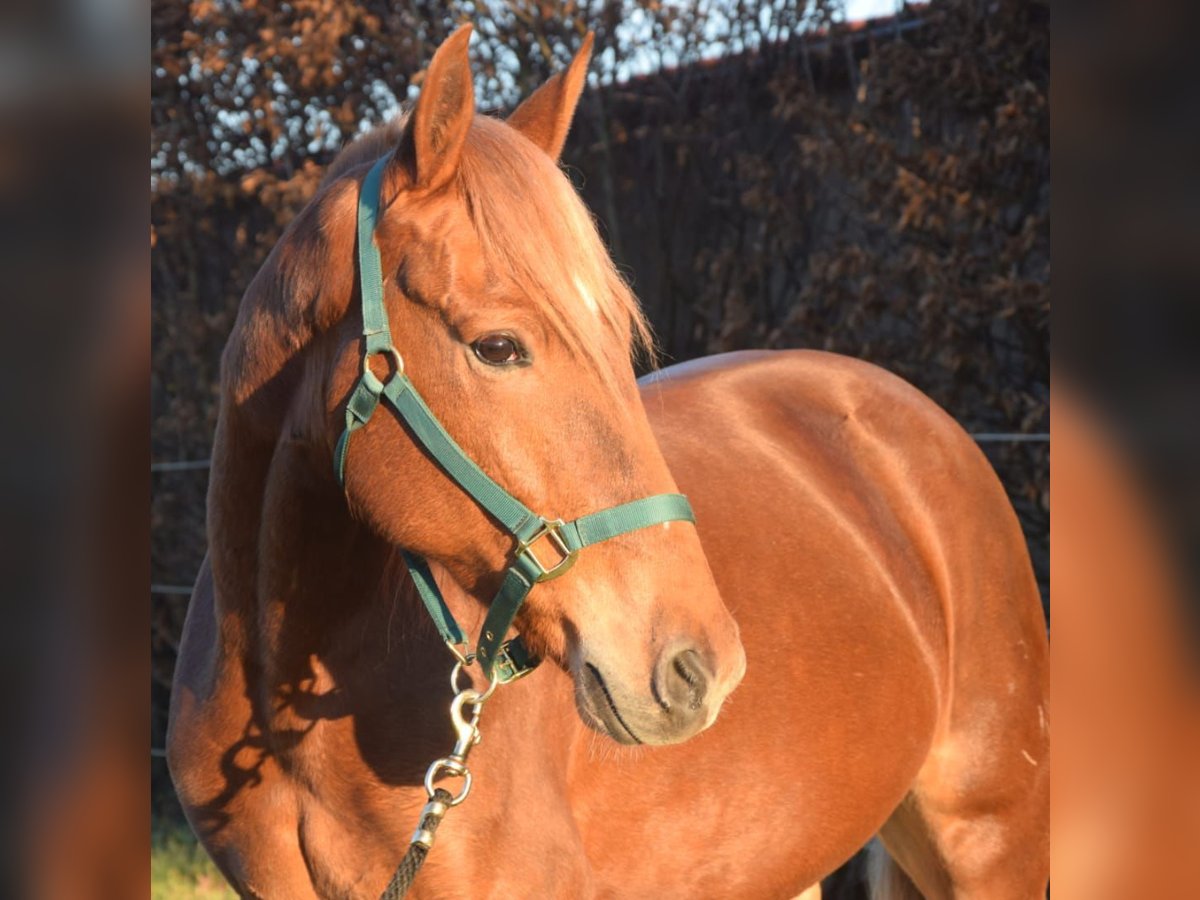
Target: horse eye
[(498, 350)]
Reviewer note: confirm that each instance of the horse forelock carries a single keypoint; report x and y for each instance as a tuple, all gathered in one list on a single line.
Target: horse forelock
[(533, 228)]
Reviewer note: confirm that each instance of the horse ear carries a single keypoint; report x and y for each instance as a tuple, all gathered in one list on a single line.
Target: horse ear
[(437, 129), (545, 117)]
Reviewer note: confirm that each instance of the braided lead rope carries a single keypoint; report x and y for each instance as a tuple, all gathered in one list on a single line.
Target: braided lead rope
[(411, 864)]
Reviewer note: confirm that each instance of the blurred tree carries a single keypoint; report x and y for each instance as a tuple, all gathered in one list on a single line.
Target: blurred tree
[(240, 86)]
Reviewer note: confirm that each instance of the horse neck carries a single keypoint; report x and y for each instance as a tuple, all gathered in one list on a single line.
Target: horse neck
[(317, 609)]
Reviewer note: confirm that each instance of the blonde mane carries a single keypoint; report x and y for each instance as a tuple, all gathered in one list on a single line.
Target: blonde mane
[(534, 231)]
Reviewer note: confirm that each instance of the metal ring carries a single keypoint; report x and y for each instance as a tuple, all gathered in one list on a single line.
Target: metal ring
[(454, 673), (480, 697), (454, 769), (397, 359), (475, 698)]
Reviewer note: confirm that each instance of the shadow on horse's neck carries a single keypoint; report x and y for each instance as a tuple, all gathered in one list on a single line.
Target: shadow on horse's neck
[(342, 636)]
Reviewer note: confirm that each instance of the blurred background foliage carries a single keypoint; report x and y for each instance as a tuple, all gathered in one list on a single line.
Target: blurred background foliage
[(765, 173)]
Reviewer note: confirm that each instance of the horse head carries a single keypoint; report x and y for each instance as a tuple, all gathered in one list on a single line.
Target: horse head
[(509, 317)]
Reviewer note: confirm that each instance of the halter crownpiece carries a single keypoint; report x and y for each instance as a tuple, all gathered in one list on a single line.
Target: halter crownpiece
[(502, 661)]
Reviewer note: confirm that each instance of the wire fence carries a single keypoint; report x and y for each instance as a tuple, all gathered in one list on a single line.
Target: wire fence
[(181, 465)]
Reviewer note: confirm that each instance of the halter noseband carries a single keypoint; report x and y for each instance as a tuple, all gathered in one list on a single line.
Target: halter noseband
[(502, 661)]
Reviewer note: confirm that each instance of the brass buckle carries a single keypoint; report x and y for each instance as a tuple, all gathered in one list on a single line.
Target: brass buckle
[(549, 530), (513, 662)]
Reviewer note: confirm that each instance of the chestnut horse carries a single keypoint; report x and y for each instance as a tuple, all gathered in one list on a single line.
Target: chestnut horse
[(854, 558)]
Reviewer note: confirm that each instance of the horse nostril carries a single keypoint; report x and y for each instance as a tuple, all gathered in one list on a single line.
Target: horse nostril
[(685, 681)]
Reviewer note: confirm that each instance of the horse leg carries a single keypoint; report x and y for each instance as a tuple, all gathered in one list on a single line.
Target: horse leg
[(885, 879), (974, 826), (902, 856)]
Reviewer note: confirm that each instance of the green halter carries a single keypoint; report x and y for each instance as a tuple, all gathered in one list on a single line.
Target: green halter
[(502, 660)]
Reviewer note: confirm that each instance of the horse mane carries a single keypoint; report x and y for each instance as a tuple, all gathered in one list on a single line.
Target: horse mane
[(534, 231), (366, 148)]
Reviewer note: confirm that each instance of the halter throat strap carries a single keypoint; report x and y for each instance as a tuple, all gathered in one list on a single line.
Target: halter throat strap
[(545, 548)]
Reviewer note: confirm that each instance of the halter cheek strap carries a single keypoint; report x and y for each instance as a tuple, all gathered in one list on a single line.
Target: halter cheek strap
[(536, 536)]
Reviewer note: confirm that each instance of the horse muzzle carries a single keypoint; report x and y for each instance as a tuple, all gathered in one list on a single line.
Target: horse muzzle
[(677, 703)]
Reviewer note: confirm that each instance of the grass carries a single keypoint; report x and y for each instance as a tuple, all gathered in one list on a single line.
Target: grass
[(179, 867)]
